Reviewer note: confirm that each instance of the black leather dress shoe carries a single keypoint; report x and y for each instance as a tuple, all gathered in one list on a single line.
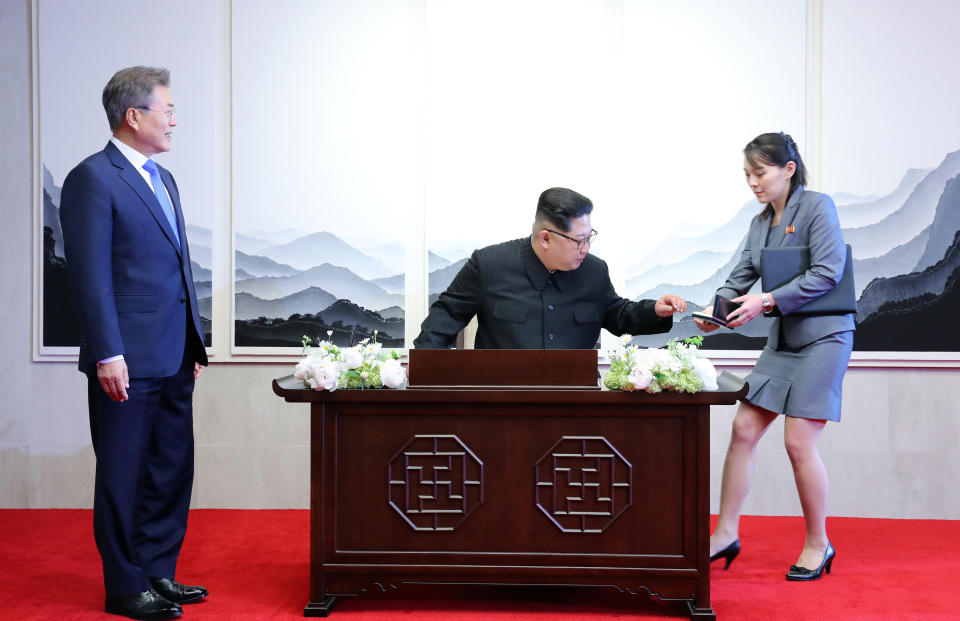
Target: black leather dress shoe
[(146, 606), (178, 593)]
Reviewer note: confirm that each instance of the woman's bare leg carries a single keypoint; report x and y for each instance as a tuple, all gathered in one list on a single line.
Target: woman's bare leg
[(800, 436), (749, 425)]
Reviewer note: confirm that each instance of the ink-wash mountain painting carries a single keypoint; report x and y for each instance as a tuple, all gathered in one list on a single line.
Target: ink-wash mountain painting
[(906, 249), (293, 284), (73, 64), (323, 173)]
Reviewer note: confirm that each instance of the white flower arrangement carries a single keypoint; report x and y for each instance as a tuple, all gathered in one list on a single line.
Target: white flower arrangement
[(329, 367), (680, 367)]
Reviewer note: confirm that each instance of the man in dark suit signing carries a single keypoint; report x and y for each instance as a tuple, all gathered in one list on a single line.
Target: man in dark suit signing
[(141, 348), (544, 291)]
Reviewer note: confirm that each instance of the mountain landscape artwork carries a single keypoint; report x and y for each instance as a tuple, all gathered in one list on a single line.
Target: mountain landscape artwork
[(906, 249), (292, 283)]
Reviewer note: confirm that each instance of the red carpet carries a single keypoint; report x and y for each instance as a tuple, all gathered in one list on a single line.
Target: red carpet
[(255, 564)]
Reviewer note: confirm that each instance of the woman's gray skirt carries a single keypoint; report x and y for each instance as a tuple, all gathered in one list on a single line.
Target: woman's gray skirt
[(805, 383)]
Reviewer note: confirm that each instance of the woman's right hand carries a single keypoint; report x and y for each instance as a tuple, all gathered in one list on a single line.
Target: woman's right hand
[(706, 326)]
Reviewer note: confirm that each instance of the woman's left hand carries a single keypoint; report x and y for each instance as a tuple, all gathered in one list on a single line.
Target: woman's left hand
[(750, 307)]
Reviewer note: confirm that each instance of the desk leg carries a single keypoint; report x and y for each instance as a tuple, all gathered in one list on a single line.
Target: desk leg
[(320, 609), (700, 614)]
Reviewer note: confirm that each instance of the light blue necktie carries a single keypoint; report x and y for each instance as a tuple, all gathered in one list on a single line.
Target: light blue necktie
[(151, 167)]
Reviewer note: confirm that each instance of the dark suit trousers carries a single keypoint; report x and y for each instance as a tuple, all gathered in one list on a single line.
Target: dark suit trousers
[(144, 478)]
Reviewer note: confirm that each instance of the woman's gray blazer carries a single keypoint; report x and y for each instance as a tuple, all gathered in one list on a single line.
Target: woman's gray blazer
[(811, 218)]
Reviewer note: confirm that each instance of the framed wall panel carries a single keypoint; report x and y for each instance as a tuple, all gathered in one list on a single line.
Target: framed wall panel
[(702, 78), (361, 150), (891, 158), (76, 52), (517, 100), (322, 173)]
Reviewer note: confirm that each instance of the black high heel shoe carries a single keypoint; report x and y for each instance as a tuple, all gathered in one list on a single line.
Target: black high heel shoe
[(730, 552), (804, 574)]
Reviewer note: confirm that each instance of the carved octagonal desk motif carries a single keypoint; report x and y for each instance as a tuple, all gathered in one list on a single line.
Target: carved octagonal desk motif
[(583, 484), (433, 487), (435, 481)]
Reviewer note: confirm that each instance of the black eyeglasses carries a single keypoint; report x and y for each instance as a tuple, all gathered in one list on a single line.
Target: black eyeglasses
[(579, 242)]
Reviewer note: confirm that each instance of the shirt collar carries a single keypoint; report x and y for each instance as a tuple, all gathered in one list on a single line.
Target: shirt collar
[(133, 156), (537, 272)]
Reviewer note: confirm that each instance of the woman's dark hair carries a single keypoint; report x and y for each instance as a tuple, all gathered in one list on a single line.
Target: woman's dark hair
[(776, 150)]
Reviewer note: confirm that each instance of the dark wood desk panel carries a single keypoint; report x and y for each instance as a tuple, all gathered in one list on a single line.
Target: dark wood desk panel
[(492, 486)]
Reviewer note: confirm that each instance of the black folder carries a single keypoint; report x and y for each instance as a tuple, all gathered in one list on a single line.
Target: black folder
[(781, 265), (721, 308)]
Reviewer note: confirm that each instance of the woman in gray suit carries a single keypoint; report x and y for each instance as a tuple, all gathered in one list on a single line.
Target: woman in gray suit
[(800, 371)]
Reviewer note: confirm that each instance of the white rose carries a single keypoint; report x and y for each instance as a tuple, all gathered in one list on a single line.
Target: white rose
[(324, 375), (651, 358), (302, 369), (639, 378), (392, 374), (351, 358), (707, 373)]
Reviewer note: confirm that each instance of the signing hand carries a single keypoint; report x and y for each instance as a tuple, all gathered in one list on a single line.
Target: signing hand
[(706, 326), (750, 307), (669, 304), (114, 379)]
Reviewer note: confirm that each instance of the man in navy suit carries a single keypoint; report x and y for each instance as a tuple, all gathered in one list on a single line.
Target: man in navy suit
[(142, 345)]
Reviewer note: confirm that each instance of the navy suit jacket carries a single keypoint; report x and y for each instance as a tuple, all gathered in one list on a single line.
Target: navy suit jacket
[(519, 304), (132, 285)]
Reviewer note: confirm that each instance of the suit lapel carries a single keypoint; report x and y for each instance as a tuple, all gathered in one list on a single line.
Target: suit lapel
[(132, 177), (779, 237), (758, 239), (762, 236), (785, 238), (174, 194), (167, 179)]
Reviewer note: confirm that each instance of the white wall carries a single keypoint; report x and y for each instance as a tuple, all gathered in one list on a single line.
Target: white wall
[(892, 456)]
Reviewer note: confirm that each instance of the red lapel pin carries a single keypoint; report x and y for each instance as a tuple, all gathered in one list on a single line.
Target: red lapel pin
[(791, 229)]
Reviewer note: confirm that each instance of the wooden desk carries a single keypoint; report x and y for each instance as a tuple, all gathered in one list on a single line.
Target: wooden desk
[(509, 486)]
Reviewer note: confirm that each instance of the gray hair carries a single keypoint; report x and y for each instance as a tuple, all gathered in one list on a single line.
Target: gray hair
[(131, 88)]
